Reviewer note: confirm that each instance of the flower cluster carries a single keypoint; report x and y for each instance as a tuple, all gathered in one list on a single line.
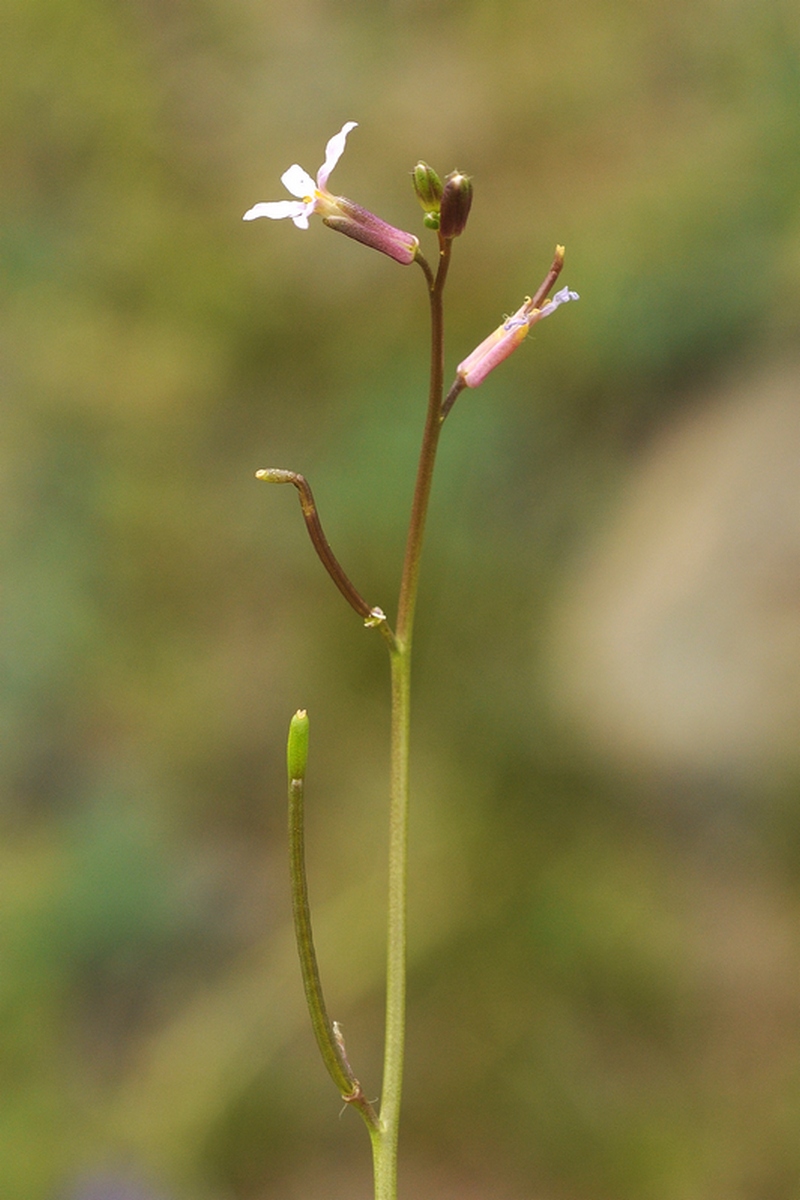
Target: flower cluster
[(446, 207)]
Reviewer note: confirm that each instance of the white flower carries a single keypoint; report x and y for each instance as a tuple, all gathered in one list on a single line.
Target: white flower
[(312, 197), (338, 212)]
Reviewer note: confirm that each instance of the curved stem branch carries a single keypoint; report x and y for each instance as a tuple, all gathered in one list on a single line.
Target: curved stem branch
[(423, 262), (372, 615)]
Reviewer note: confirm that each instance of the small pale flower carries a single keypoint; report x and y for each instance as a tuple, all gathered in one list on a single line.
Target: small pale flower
[(336, 211), (312, 197), (498, 345)]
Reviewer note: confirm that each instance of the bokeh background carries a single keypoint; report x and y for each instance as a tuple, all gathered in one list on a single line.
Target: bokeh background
[(606, 834)]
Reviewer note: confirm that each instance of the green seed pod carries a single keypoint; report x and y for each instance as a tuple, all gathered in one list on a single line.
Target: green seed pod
[(297, 746)]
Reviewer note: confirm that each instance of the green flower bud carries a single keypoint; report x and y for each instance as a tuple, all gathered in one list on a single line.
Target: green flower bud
[(428, 187), (456, 203), (297, 746)]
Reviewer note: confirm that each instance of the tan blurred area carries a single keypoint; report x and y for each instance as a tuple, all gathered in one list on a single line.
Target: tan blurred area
[(603, 990), (679, 643)]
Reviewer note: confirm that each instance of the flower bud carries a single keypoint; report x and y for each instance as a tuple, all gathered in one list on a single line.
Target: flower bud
[(363, 226), (428, 187), (297, 746), (456, 203)]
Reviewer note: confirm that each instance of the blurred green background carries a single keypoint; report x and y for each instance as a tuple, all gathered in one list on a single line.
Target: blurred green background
[(605, 892)]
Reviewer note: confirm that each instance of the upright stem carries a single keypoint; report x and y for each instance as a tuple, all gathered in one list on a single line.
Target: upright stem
[(427, 458), (384, 1143)]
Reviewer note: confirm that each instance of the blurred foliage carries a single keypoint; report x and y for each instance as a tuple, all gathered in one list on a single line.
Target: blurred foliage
[(603, 988)]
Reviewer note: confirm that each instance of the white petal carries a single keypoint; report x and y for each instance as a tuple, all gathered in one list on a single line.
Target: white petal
[(333, 152), (298, 182), (301, 220), (277, 210)]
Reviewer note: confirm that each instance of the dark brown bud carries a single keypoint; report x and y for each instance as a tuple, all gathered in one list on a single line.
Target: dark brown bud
[(456, 203)]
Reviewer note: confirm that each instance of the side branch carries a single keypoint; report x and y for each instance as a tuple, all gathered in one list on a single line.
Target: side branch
[(456, 389), (372, 616), (423, 262)]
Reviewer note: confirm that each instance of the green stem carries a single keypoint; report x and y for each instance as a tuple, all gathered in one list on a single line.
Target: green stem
[(329, 1038), (384, 1142)]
